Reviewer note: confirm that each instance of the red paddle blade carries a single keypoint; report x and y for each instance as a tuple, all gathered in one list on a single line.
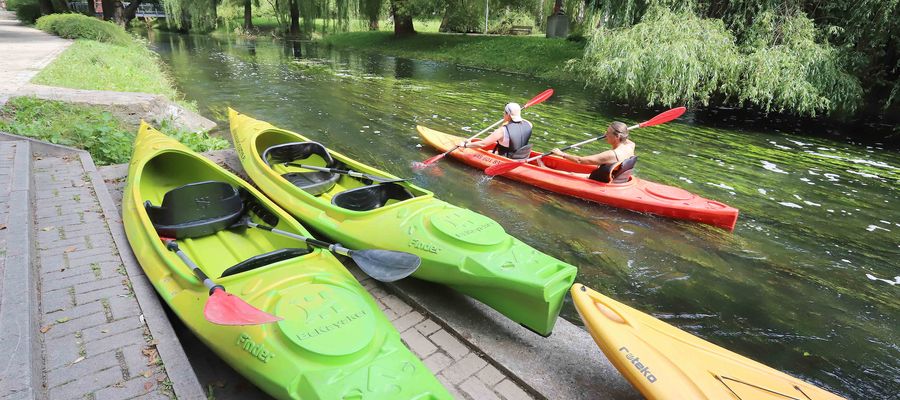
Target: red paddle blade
[(664, 117), (500, 169), (539, 98), (223, 308), (426, 163)]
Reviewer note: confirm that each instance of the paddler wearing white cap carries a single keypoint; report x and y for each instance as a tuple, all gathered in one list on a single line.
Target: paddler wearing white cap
[(511, 138)]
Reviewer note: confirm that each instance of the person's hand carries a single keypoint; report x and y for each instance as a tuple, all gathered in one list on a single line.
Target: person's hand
[(463, 143), (557, 152)]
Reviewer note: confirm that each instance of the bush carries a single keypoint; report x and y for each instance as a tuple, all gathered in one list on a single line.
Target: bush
[(28, 12), (77, 26)]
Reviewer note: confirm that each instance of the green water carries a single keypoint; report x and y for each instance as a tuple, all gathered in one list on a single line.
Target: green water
[(808, 282)]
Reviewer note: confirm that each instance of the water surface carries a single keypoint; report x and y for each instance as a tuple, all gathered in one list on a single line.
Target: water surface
[(808, 282)]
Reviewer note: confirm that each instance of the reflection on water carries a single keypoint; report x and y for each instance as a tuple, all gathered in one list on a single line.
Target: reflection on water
[(807, 283)]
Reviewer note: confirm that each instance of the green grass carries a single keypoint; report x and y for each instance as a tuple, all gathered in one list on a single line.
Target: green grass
[(523, 54), (88, 64), (77, 26), (107, 138)]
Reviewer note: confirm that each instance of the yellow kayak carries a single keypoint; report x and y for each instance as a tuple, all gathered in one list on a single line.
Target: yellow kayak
[(664, 362)]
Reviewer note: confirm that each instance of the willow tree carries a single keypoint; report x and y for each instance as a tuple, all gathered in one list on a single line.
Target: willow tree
[(371, 10), (188, 15)]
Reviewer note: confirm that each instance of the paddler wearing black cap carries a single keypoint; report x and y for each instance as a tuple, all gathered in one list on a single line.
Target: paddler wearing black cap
[(511, 138), (610, 163)]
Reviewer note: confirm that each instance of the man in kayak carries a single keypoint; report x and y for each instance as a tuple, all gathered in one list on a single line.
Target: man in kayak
[(511, 138), (607, 161)]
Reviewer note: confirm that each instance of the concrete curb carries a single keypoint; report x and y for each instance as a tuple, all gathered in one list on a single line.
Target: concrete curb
[(178, 368), (19, 316)]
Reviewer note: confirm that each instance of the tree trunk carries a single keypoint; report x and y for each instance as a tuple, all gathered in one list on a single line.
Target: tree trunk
[(373, 24), (248, 14), (295, 17), (131, 10), (403, 22), (60, 6)]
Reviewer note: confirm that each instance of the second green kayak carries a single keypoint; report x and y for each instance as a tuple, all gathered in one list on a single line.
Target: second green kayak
[(459, 248)]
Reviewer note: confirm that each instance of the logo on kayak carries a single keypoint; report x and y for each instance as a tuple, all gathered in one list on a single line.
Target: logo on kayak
[(333, 326), (482, 157), (637, 364), (418, 244), (246, 343)]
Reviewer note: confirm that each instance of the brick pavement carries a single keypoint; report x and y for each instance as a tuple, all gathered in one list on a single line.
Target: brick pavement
[(96, 344), (466, 373)]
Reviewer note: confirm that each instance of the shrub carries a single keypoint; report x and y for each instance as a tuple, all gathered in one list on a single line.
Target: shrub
[(28, 12), (77, 26)]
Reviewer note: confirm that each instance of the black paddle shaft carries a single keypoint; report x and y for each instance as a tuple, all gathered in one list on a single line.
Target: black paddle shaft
[(337, 248), (172, 246)]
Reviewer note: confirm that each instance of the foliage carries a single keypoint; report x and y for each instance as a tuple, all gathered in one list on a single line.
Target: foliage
[(107, 138), (676, 58), (193, 15), (27, 11), (532, 55), (101, 66), (666, 59), (77, 26), (507, 18)]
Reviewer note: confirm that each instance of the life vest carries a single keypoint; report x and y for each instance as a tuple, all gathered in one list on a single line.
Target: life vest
[(519, 133), (618, 172)]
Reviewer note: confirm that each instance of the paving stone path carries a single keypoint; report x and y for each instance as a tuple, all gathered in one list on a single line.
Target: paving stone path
[(96, 345)]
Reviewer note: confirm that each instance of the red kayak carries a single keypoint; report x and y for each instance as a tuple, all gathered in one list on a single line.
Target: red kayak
[(557, 176)]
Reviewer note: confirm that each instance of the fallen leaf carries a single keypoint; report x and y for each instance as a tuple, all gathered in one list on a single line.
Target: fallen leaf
[(148, 373), (160, 378), (46, 328), (119, 384), (154, 342), (104, 331), (70, 249), (148, 386), (2, 227), (78, 360), (62, 320), (47, 228)]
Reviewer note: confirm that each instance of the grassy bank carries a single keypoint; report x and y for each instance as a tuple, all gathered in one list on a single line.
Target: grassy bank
[(106, 137), (523, 54), (89, 64)]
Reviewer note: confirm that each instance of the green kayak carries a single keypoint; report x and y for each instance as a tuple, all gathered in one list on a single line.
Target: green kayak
[(459, 248), (331, 342)]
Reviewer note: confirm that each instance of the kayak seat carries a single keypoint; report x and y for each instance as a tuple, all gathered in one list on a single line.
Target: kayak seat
[(264, 259), (619, 172), (196, 209), (313, 182), (370, 197)]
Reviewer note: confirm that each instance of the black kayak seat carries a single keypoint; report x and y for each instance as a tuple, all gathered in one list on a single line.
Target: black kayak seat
[(196, 209), (619, 172), (204, 208), (313, 182), (371, 197)]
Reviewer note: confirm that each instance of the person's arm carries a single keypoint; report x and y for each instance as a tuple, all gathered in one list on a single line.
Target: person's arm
[(605, 157), (493, 138)]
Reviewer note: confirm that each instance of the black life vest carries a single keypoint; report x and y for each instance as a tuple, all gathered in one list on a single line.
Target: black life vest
[(519, 133), (618, 172)]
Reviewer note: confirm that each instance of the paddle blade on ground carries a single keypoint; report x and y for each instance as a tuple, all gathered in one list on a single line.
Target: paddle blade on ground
[(223, 308), (386, 265), (500, 169)]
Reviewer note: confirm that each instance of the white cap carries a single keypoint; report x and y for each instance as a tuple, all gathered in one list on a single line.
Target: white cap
[(514, 111)]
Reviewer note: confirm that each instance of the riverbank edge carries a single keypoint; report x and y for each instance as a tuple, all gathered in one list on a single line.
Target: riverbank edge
[(526, 55)]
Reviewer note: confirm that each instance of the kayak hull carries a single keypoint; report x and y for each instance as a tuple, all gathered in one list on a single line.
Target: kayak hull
[(636, 194), (664, 362), (459, 248), (332, 335)]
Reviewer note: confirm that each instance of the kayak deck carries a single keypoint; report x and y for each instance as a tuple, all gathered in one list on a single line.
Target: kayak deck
[(459, 248), (565, 177), (332, 333), (664, 362)]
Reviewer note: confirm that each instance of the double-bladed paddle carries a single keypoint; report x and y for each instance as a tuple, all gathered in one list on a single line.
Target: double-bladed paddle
[(374, 178), (500, 169), (381, 265), (221, 307), (536, 100)]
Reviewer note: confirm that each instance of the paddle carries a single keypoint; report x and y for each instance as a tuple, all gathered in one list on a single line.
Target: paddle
[(381, 265), (500, 169), (379, 179), (535, 100), (221, 307)]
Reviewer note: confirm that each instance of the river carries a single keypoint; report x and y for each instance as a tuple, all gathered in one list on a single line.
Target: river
[(808, 283)]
